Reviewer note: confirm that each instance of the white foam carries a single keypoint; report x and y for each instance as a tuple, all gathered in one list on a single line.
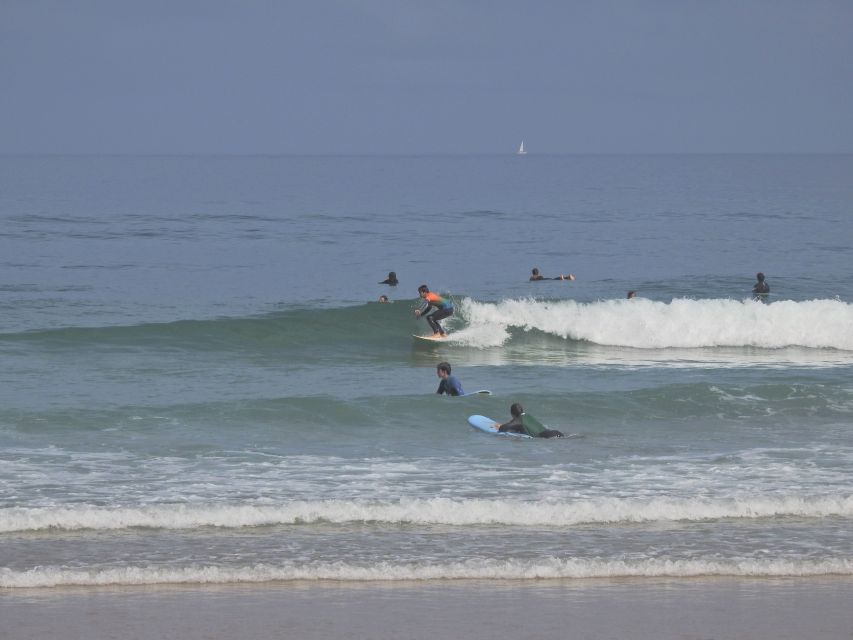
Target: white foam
[(474, 569), (681, 323), (445, 511)]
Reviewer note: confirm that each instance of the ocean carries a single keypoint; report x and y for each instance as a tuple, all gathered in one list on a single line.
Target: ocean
[(198, 385)]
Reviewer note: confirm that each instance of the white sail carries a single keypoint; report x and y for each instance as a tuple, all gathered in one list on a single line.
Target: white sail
[(521, 150)]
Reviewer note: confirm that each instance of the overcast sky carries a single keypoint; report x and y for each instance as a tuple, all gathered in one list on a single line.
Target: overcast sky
[(425, 76)]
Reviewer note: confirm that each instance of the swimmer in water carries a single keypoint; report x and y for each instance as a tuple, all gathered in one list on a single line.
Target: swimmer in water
[(761, 289), (391, 279)]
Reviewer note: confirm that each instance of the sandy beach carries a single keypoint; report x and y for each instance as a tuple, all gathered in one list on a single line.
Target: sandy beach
[(718, 609)]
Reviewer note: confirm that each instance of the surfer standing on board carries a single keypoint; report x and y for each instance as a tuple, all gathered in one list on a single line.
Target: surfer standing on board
[(443, 308), (449, 384)]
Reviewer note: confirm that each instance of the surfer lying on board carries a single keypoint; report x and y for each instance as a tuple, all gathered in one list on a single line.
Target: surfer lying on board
[(449, 384), (443, 308), (535, 275), (523, 423)]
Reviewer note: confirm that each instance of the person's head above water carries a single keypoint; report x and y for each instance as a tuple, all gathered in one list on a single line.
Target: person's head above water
[(516, 410), (423, 289), (443, 367), (760, 276), (535, 275), (383, 298)]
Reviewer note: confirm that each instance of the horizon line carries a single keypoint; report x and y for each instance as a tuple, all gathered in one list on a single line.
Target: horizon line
[(265, 154)]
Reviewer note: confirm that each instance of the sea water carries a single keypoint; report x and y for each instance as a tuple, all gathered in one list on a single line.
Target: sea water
[(198, 384)]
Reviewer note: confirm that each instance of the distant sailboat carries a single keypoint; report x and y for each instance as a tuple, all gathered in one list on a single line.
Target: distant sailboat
[(521, 150)]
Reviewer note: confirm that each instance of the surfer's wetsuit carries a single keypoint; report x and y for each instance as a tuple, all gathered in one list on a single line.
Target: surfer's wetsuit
[(537, 278), (760, 290), (531, 426), (443, 309), (451, 386)]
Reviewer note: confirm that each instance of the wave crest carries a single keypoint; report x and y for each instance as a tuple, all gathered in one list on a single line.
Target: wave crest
[(550, 568), (682, 323), (441, 511)]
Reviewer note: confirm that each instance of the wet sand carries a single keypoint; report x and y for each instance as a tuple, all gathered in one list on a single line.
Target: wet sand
[(696, 609)]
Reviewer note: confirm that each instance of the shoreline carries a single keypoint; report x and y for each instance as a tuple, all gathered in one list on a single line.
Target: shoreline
[(664, 608)]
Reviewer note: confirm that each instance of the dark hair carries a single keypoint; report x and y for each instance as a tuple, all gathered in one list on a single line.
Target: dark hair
[(443, 366), (392, 275), (516, 410), (760, 276), (631, 294), (423, 288), (535, 271), (383, 298)]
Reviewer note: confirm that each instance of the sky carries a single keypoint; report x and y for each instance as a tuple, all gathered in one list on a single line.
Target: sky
[(426, 76)]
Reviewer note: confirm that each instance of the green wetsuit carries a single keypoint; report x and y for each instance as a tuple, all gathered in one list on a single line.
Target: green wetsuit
[(531, 426)]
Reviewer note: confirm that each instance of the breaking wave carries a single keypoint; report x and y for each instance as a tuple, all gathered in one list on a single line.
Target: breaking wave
[(441, 511), (549, 568)]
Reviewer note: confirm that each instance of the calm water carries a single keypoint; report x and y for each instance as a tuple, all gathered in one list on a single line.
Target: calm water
[(198, 385)]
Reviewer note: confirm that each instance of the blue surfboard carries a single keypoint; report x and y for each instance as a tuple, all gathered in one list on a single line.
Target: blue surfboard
[(487, 425)]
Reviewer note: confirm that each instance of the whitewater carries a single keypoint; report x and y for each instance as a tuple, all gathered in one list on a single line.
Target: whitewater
[(649, 324)]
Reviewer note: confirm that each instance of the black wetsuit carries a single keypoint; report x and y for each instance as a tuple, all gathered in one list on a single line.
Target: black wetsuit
[(760, 290)]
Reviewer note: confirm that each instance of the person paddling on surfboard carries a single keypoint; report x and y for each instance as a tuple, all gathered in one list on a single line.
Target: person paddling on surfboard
[(523, 423), (443, 308), (535, 276), (449, 384)]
